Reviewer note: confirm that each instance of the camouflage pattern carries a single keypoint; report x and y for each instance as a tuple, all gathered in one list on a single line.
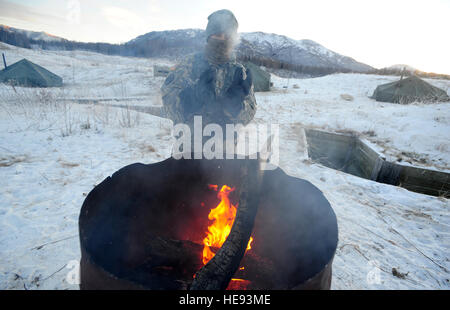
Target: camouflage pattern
[(220, 93)]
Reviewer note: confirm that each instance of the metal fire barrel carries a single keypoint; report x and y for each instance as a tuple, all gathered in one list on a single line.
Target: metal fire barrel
[(295, 227)]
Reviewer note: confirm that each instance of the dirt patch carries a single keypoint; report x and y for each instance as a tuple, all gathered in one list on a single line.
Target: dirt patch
[(347, 97), (66, 164), (146, 148), (415, 157), (410, 213), (6, 161), (399, 274), (370, 133)]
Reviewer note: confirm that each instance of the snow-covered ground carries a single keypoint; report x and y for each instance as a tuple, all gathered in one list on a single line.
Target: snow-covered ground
[(414, 134), (53, 152)]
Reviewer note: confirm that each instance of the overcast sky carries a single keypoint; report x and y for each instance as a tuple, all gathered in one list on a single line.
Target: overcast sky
[(377, 32)]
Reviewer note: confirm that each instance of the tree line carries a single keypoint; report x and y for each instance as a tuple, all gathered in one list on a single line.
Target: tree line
[(22, 40), (155, 48), (281, 65), (165, 48)]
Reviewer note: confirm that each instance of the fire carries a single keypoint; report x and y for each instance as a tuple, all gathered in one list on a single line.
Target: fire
[(223, 217)]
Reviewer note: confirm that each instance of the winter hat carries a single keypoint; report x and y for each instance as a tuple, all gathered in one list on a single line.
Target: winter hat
[(222, 21)]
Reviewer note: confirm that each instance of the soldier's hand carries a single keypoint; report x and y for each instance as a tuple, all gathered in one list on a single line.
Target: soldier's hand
[(207, 77), (239, 81), (247, 83)]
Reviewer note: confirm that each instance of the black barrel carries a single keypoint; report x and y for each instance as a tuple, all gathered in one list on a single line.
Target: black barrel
[(295, 228)]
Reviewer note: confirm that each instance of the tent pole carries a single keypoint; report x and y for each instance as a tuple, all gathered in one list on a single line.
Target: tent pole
[(4, 60)]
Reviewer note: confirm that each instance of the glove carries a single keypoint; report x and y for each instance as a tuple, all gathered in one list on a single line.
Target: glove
[(207, 78), (239, 82)]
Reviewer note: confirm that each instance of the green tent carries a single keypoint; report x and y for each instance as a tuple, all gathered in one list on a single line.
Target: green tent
[(26, 73), (409, 90), (261, 78)]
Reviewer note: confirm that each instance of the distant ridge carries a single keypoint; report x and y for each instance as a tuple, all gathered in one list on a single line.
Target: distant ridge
[(307, 53), (401, 67), (32, 35)]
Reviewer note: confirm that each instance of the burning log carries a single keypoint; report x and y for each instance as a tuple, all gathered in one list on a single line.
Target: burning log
[(217, 273), (262, 269), (181, 259)]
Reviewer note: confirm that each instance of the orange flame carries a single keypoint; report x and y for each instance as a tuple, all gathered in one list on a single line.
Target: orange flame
[(223, 217)]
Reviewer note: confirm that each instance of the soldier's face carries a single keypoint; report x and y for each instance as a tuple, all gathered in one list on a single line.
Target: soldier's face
[(220, 45), (218, 36), (221, 41)]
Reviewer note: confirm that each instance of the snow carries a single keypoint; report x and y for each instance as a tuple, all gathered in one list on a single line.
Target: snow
[(279, 41), (53, 152), (401, 67), (419, 131)]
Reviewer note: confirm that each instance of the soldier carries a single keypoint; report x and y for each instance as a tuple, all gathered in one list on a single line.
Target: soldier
[(211, 84)]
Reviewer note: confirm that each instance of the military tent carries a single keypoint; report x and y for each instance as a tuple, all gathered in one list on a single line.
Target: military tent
[(26, 73), (409, 90), (261, 78)]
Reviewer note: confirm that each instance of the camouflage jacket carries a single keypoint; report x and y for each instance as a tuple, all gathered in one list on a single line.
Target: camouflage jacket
[(221, 94)]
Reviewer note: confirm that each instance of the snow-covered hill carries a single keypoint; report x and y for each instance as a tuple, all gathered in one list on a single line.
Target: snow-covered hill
[(178, 43), (170, 35), (300, 52), (400, 67), (267, 45), (33, 35)]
